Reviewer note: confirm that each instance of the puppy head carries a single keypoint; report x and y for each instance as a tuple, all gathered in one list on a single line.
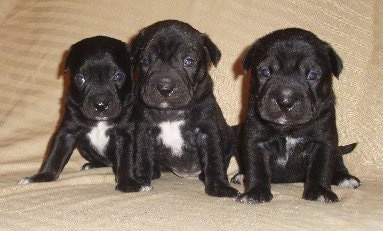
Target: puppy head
[(99, 68), (292, 76), (171, 59)]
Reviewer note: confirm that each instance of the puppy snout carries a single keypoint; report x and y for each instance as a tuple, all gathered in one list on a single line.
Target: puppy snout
[(165, 87), (286, 99), (101, 106)]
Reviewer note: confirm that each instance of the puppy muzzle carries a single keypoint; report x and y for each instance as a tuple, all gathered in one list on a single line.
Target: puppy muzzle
[(166, 92), (286, 106), (102, 106)]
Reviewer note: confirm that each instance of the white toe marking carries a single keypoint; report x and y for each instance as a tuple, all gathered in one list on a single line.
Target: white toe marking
[(321, 198), (146, 188), (239, 178), (349, 183), (87, 167), (25, 180), (171, 136)]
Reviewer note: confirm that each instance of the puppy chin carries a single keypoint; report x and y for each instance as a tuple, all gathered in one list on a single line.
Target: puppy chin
[(285, 121), (164, 105), (102, 118), (99, 117)]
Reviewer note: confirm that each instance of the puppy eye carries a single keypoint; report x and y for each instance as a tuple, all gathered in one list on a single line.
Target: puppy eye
[(312, 75), (265, 72), (189, 62), (118, 76), (145, 61), (80, 79)]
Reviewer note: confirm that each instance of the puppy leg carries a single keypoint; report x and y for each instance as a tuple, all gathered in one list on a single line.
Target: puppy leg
[(156, 171), (318, 179), (59, 154), (341, 176), (257, 175), (215, 178), (144, 156), (125, 165)]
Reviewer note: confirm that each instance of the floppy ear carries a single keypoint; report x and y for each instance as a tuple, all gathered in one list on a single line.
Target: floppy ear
[(69, 59), (128, 48), (250, 56), (335, 60), (212, 50), (135, 45)]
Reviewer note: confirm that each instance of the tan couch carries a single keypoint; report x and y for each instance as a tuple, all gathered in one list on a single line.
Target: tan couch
[(33, 38)]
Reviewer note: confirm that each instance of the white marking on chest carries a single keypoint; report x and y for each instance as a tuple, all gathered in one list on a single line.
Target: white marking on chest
[(290, 145), (171, 136), (98, 138)]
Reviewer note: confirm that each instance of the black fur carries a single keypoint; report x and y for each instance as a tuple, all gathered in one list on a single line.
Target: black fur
[(290, 132), (101, 92), (171, 61)]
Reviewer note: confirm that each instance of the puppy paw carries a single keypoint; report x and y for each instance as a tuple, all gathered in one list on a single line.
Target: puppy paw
[(25, 180), (221, 190), (254, 196), (320, 194), (237, 179), (90, 165), (146, 188), (347, 181), (131, 186), (40, 177)]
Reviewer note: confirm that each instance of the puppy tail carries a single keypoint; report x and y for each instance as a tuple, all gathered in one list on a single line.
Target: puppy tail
[(345, 149)]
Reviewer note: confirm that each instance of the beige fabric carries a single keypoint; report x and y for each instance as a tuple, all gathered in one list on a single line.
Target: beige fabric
[(33, 38)]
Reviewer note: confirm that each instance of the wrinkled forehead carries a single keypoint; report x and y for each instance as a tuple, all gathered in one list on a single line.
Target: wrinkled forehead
[(293, 53), (291, 48), (98, 61), (172, 38)]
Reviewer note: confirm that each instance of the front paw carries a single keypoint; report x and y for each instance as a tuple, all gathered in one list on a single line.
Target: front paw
[(39, 177), (256, 195), (91, 165), (132, 186), (320, 194), (347, 181), (221, 190)]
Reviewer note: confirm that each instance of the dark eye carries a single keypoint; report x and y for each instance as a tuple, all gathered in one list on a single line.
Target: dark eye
[(118, 76), (265, 72), (145, 61), (312, 75), (80, 79), (189, 62)]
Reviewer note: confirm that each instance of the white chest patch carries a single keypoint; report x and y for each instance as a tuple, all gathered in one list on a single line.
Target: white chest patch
[(98, 138), (290, 145), (171, 136)]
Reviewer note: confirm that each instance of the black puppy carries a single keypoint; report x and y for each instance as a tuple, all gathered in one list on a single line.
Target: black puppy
[(97, 112), (180, 126), (290, 132)]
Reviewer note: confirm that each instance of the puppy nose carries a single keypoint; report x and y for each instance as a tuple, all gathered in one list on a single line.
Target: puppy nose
[(100, 106), (165, 88), (286, 99), (286, 103)]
